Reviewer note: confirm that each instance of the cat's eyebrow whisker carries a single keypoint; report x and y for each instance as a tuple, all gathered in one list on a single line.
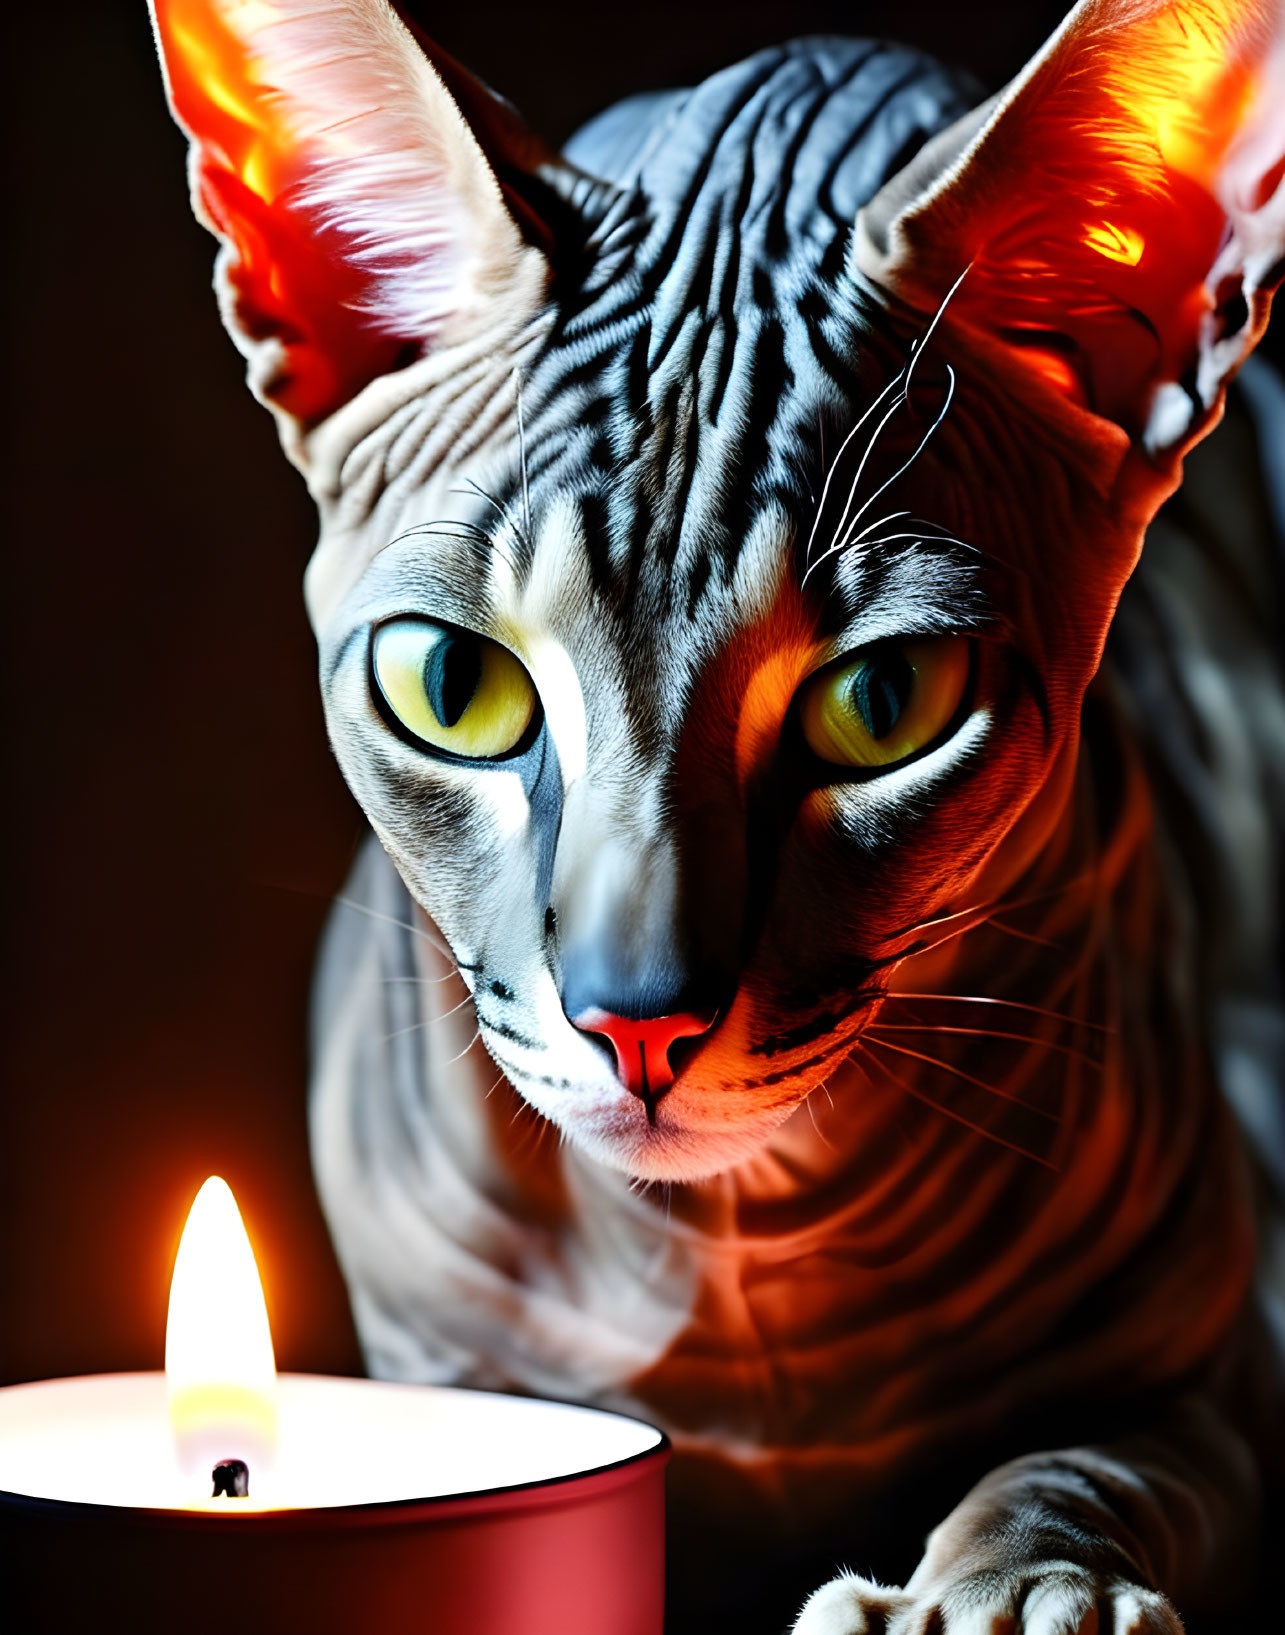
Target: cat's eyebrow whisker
[(856, 481), (526, 490), (501, 511), (919, 534), (959, 1118), (986, 1033), (920, 346), (891, 539), (919, 449), (834, 465), (1008, 1004), (843, 536), (958, 1072), (891, 516), (462, 533)]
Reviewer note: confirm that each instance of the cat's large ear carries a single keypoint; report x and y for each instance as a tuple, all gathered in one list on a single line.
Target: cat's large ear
[(1117, 214), (360, 221)]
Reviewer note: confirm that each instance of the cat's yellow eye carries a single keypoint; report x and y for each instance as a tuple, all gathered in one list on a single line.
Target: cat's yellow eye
[(885, 703), (452, 689)]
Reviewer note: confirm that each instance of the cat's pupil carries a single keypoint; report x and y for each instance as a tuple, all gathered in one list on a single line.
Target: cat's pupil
[(880, 689), (452, 671)]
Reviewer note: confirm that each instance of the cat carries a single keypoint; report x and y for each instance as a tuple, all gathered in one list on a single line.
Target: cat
[(722, 530)]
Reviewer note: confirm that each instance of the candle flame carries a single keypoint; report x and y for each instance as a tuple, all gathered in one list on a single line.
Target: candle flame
[(220, 1373)]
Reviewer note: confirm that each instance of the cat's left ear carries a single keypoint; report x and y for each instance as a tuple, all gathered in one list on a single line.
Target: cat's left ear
[(1117, 214), (362, 191)]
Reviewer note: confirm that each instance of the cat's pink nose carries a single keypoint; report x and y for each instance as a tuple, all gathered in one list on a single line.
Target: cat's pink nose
[(642, 1046)]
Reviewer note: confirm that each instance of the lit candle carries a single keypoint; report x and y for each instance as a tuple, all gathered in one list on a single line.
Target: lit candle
[(370, 1507), (220, 1374)]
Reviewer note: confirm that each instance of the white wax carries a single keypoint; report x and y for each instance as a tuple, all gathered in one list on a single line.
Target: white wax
[(105, 1439)]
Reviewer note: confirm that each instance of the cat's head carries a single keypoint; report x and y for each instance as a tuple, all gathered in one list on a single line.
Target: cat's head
[(714, 556)]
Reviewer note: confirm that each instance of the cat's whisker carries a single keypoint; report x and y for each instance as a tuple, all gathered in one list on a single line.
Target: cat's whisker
[(923, 441), (917, 533), (844, 534), (959, 1073), (892, 516), (340, 901), (855, 485), (477, 1034), (1008, 1004), (986, 1033), (823, 1139), (461, 533), (1023, 936), (429, 937), (430, 1022), (920, 346), (420, 981), (891, 539), (825, 487), (975, 925), (959, 1118), (501, 511), (1001, 906), (526, 487)]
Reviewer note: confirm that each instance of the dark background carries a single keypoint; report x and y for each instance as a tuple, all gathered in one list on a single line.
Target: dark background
[(175, 822)]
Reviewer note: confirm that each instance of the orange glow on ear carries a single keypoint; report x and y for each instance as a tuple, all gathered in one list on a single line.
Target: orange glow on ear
[(1116, 243), (1182, 84), (1091, 206), (290, 280), (212, 82)]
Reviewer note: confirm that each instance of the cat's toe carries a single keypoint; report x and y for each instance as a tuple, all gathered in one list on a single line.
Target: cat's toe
[(1137, 1611), (849, 1605), (1058, 1599), (1063, 1604)]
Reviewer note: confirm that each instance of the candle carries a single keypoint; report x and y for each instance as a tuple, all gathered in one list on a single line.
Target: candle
[(370, 1507)]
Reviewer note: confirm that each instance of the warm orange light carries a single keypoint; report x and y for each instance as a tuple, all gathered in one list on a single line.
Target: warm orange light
[(217, 83), (1122, 244), (764, 703), (220, 1373), (1180, 89)]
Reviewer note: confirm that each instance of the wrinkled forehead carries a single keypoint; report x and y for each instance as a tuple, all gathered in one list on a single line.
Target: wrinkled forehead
[(683, 377)]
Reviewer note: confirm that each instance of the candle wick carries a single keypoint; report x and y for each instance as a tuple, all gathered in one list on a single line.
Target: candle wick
[(231, 1479)]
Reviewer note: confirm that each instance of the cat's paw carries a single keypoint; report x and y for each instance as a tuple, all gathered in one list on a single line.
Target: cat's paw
[(1055, 1598), (849, 1605)]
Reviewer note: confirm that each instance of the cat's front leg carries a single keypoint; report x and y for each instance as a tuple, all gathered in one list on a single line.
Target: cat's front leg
[(1085, 1541)]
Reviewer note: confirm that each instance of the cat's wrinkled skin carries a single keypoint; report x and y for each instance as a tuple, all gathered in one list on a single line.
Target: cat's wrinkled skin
[(589, 408)]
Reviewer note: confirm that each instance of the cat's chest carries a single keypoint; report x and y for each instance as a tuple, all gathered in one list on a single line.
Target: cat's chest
[(878, 1278), (860, 1286)]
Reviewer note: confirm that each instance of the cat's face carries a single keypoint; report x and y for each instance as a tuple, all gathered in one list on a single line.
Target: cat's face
[(697, 759), (703, 631)]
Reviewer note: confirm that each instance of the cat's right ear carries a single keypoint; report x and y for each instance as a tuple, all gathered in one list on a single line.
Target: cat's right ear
[(361, 223), (1110, 227)]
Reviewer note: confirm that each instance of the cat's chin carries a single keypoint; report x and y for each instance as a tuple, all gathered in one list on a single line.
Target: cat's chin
[(672, 1149)]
